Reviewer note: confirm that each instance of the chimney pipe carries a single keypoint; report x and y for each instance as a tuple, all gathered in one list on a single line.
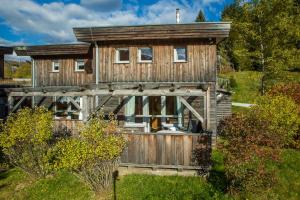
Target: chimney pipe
[(177, 16)]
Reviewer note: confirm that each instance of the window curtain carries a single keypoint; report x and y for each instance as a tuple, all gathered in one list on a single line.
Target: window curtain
[(130, 109)]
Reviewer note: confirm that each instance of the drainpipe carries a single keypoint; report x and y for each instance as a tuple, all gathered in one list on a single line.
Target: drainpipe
[(97, 71), (33, 80), (97, 63), (33, 73)]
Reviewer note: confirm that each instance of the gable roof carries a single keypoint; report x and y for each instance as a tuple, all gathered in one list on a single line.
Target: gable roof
[(218, 30)]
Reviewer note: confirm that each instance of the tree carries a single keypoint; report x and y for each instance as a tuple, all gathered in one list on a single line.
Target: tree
[(200, 17), (264, 37)]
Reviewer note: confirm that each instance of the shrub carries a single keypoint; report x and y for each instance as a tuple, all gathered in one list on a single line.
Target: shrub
[(280, 112), (246, 148), (233, 83), (250, 140), (93, 155), (291, 90), (24, 139)]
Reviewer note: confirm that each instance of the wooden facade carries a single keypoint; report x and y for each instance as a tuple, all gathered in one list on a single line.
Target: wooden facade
[(67, 76), (167, 107), (199, 67)]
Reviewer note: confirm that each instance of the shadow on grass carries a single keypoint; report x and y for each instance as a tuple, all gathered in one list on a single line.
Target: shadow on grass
[(217, 177), (3, 174)]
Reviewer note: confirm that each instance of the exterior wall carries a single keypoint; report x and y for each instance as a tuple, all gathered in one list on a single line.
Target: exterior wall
[(67, 76), (200, 65), (224, 107)]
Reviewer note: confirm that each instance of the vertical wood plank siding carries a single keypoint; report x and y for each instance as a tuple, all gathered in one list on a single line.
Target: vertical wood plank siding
[(167, 149), (67, 127), (224, 108), (67, 76), (200, 65)]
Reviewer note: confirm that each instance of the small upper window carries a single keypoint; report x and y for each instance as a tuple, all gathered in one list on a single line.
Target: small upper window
[(122, 55), (79, 65), (55, 66), (180, 54), (145, 54)]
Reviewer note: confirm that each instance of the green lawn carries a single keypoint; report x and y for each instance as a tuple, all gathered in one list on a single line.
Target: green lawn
[(16, 185), (248, 84)]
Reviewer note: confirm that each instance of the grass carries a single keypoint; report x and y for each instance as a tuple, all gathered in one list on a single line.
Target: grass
[(14, 184), (248, 84), (169, 187)]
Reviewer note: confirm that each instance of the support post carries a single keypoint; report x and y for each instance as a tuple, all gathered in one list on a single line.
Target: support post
[(84, 108), (97, 70), (208, 108), (163, 109), (10, 102), (33, 81), (146, 120), (179, 111)]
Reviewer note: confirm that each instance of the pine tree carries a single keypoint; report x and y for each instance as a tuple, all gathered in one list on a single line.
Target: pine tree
[(200, 17)]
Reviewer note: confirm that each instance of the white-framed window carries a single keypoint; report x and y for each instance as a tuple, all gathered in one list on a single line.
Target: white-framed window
[(79, 65), (145, 54), (55, 66), (122, 55), (180, 54), (65, 109)]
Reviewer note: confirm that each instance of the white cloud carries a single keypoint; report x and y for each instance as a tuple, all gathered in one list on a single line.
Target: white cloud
[(4, 42), (102, 5), (54, 21)]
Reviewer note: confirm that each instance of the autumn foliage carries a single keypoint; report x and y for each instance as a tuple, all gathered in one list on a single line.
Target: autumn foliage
[(249, 141)]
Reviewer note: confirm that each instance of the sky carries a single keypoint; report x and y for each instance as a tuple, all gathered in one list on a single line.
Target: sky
[(35, 22)]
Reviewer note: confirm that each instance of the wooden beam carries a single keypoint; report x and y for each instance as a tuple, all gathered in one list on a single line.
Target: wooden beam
[(18, 104), (105, 92), (74, 103), (208, 108), (197, 115)]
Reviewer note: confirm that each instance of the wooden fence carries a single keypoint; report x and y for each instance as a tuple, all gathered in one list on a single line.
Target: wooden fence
[(184, 150), (67, 127)]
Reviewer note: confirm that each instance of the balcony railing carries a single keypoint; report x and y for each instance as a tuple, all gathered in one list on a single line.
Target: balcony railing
[(17, 82)]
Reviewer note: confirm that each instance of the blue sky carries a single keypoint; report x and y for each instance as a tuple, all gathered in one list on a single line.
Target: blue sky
[(29, 22)]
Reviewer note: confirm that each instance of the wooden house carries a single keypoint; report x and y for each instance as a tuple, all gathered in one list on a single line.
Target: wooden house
[(159, 80)]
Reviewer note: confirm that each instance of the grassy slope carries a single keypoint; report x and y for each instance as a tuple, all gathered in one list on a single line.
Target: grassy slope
[(248, 84), (16, 185)]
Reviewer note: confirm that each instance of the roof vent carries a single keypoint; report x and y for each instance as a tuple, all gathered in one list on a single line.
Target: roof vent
[(177, 16)]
